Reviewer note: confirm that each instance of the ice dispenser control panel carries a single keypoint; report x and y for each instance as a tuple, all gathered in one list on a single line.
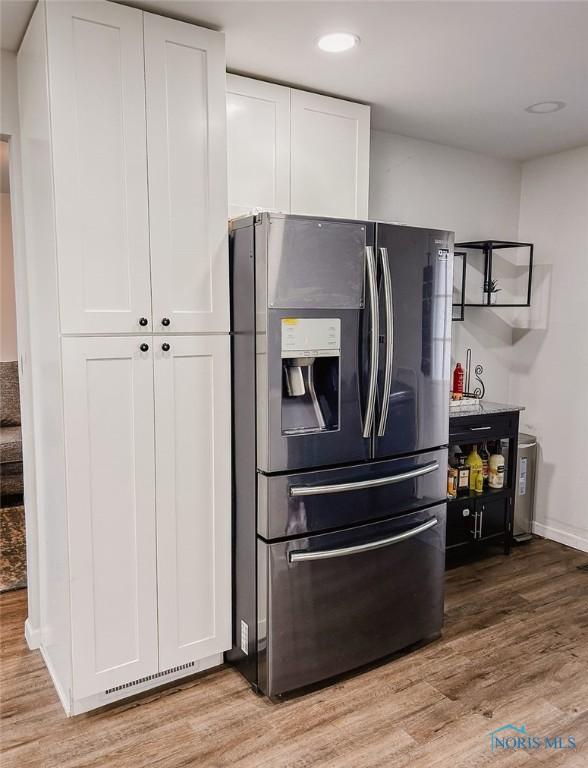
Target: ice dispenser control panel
[(311, 337)]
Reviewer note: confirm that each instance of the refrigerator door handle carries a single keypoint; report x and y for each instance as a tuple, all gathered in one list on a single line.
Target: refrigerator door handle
[(389, 341), (374, 342), (376, 482), (325, 554)]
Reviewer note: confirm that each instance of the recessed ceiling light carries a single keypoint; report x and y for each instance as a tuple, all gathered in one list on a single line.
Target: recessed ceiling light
[(545, 107), (337, 42)]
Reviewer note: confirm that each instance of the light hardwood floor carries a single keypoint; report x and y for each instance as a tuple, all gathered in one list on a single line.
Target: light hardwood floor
[(514, 650)]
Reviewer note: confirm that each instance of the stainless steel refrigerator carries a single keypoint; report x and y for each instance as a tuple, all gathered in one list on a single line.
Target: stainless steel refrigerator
[(341, 357)]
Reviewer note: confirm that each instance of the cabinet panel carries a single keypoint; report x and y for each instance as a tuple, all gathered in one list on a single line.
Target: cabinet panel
[(96, 77), (461, 521), (258, 137), (193, 457), (109, 436), (330, 156), (492, 517), (186, 145)]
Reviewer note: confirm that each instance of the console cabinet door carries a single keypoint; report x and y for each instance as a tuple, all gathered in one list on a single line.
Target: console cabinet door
[(187, 161), (330, 156), (193, 459), (258, 137), (492, 517), (97, 96), (109, 443)]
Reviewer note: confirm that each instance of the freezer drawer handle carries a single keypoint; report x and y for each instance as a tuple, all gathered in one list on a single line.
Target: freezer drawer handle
[(389, 341), (312, 490), (325, 554), (374, 341)]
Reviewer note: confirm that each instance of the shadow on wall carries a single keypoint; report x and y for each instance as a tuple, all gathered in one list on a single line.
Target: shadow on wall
[(529, 342), (537, 316), (490, 338), (508, 341), (488, 328), (531, 325)]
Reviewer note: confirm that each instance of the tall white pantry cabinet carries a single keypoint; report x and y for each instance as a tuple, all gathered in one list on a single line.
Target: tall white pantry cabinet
[(124, 162)]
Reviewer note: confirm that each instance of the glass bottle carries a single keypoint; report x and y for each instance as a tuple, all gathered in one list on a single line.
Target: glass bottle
[(463, 476), (474, 462), (496, 469), (485, 456)]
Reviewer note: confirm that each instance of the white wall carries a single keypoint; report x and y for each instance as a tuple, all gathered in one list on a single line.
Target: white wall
[(7, 302), (430, 185), (550, 352)]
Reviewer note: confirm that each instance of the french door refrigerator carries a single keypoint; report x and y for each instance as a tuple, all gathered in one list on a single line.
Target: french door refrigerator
[(341, 357)]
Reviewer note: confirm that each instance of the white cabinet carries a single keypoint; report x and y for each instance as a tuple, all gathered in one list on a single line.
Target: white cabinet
[(296, 152), (138, 607), (258, 144), (186, 149), (97, 97), (110, 457), (123, 144), (138, 111), (192, 428), (330, 156)]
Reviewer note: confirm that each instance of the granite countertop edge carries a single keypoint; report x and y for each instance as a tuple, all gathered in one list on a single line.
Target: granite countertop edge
[(483, 409)]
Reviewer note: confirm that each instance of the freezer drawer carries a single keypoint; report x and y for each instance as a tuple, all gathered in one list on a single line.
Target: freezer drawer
[(310, 502), (332, 602)]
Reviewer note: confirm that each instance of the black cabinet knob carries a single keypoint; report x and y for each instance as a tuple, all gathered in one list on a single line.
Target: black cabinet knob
[(144, 347), (143, 321), (165, 321), (165, 346)]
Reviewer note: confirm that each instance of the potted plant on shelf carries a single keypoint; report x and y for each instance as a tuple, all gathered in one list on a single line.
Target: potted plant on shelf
[(490, 287)]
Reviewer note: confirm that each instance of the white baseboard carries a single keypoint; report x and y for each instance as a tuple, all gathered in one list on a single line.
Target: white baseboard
[(563, 537), (32, 635), (63, 698)]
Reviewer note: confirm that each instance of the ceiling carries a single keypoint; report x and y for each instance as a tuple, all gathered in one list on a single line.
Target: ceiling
[(457, 73)]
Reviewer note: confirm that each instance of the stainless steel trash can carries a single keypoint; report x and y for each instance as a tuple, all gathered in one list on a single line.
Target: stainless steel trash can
[(524, 502)]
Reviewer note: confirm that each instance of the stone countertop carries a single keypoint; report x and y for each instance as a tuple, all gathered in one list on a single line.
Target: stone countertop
[(483, 408)]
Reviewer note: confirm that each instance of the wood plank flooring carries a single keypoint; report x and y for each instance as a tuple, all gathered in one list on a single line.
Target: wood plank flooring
[(514, 650)]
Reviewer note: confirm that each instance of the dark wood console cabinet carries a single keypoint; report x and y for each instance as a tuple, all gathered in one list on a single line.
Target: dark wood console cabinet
[(479, 520)]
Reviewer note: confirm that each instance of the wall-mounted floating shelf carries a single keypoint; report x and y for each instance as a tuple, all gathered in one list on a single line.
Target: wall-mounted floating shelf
[(494, 273)]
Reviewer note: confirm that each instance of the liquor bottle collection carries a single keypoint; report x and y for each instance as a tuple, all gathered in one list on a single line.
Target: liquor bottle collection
[(472, 471)]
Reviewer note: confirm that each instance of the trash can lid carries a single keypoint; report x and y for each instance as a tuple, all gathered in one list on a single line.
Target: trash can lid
[(528, 440)]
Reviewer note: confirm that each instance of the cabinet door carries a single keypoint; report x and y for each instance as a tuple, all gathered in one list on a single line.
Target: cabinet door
[(97, 93), (461, 520), (492, 517), (187, 160), (109, 436), (193, 458), (258, 136), (330, 156)]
